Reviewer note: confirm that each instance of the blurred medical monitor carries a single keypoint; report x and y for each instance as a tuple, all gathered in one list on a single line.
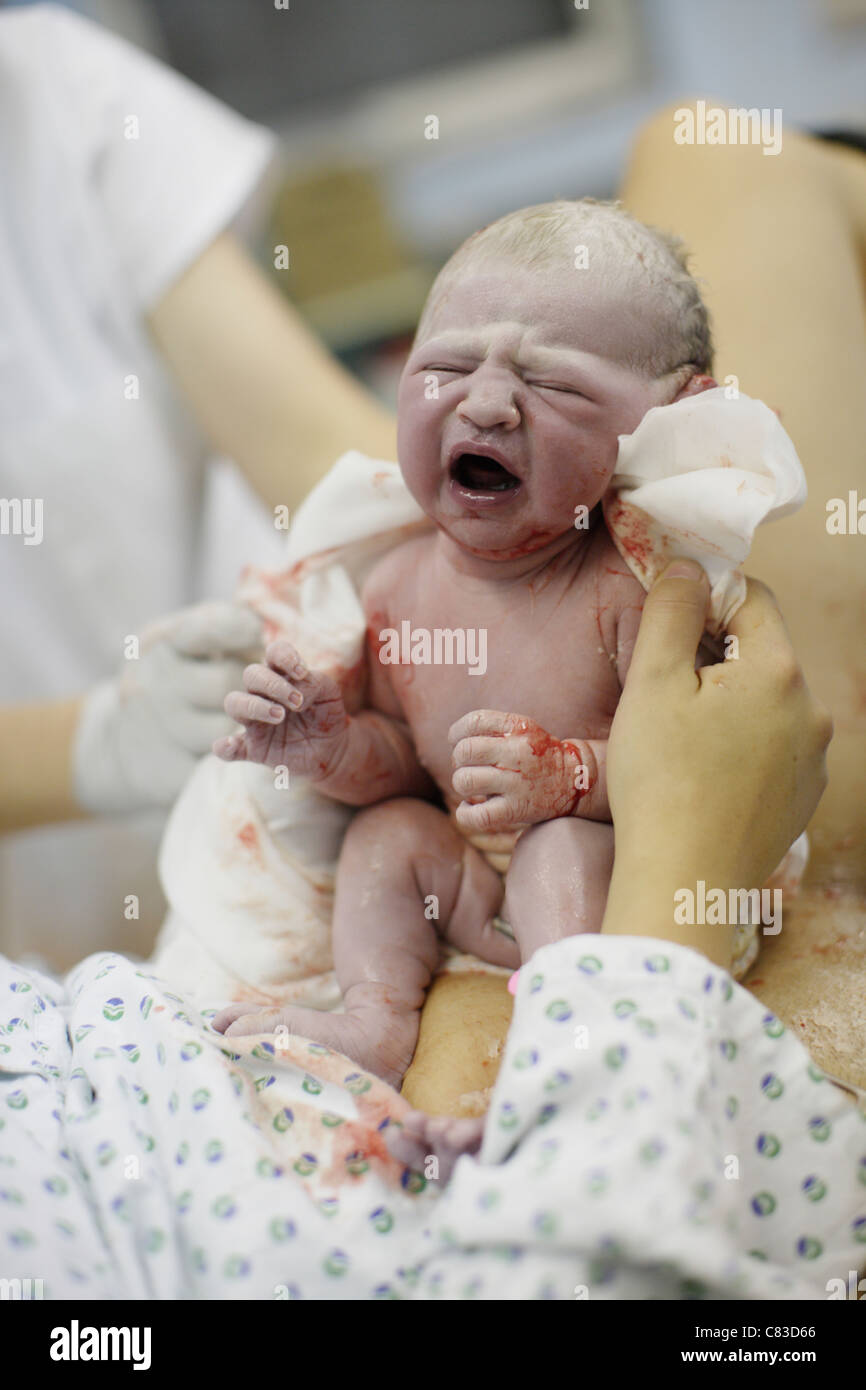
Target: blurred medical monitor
[(389, 63)]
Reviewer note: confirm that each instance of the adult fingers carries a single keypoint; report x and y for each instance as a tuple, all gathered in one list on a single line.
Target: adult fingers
[(759, 627), (202, 684), (213, 629), (671, 625)]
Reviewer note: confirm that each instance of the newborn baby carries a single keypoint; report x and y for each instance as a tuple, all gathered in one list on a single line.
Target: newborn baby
[(546, 336)]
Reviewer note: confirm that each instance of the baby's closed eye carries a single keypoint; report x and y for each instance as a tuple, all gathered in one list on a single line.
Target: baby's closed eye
[(557, 386)]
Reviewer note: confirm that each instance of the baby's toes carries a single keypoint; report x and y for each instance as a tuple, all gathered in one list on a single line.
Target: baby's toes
[(449, 1135), (407, 1146), (254, 1020), (226, 1016), (464, 1135), (223, 1017)]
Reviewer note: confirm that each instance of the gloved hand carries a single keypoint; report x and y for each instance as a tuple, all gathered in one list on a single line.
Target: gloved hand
[(140, 735)]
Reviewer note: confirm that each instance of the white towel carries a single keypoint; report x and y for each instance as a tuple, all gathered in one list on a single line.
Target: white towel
[(696, 479), (248, 868)]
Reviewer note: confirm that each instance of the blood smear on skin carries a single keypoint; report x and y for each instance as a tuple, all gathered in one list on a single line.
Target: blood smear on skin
[(632, 534)]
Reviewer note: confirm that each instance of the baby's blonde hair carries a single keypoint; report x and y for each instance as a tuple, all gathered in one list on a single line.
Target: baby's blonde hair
[(622, 253)]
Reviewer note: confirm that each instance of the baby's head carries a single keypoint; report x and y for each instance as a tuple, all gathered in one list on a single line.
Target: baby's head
[(545, 336)]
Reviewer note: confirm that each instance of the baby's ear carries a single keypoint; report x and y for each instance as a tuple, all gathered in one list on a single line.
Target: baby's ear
[(695, 384)]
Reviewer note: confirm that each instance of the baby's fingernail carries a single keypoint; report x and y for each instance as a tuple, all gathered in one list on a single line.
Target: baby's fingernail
[(276, 712), (683, 569), (296, 699), (299, 669)]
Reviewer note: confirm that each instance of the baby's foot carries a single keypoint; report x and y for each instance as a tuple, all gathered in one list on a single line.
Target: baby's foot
[(432, 1144), (379, 1038)]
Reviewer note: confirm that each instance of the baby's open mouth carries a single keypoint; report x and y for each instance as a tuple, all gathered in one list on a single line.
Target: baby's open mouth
[(480, 473)]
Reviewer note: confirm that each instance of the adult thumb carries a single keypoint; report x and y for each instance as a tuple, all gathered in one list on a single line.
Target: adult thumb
[(672, 623)]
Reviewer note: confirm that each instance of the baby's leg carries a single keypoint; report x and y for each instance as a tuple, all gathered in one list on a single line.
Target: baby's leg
[(557, 881), (404, 874), (556, 886)]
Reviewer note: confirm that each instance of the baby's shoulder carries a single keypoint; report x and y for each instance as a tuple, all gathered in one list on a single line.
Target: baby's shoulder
[(610, 574), (620, 598), (394, 572)]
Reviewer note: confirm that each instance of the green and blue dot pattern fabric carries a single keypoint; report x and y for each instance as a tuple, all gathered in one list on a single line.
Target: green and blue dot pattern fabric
[(653, 1133)]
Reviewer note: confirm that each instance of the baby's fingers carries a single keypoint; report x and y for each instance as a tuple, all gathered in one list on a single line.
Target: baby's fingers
[(252, 709), (480, 781), (483, 721), (477, 752), (495, 814), (271, 686), (285, 658), (232, 748)]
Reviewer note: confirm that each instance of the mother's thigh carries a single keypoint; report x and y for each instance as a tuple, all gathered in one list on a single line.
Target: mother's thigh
[(779, 243)]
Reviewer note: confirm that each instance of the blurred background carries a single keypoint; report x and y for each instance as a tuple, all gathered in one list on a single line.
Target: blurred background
[(533, 98)]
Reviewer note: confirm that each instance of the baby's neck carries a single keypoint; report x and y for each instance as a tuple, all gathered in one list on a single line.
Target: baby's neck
[(510, 566)]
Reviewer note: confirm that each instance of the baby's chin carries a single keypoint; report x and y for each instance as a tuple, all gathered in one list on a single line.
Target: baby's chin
[(485, 539)]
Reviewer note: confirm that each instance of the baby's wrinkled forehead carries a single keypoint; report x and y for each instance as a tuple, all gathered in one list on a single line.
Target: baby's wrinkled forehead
[(633, 280), (554, 308)]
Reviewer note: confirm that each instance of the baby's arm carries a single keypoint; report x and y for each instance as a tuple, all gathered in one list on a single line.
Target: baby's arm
[(296, 718)]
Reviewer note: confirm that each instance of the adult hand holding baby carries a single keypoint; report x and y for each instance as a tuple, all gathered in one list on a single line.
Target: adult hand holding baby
[(712, 773)]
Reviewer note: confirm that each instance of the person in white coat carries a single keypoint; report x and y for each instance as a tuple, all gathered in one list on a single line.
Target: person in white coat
[(137, 339)]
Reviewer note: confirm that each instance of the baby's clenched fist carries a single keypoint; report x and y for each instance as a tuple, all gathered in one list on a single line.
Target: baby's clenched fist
[(511, 772)]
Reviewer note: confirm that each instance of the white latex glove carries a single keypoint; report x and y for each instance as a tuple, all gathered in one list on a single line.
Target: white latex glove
[(140, 735)]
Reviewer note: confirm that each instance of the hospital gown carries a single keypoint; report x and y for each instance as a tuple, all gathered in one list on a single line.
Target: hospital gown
[(653, 1133)]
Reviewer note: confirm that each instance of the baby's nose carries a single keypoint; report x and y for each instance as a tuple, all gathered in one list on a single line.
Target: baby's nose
[(489, 403)]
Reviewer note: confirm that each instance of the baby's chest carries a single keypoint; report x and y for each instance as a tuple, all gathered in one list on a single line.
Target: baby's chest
[(548, 662)]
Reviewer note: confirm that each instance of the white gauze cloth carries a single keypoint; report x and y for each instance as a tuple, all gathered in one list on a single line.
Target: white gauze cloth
[(248, 866), (696, 479)]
